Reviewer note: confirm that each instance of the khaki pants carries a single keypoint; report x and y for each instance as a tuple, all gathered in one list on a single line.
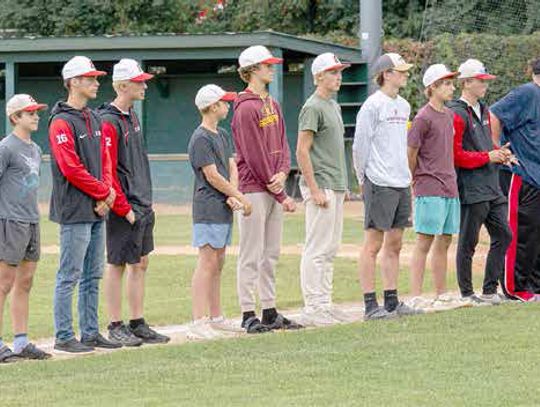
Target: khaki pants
[(260, 241), (324, 227)]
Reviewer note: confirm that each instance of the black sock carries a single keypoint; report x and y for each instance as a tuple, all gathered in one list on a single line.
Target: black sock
[(390, 300), (269, 316), (246, 315), (115, 324), (370, 301), (134, 323)]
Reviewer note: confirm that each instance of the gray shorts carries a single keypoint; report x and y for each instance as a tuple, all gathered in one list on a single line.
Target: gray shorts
[(19, 241), (386, 207)]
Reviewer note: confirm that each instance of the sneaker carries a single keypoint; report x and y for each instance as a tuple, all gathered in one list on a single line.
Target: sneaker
[(99, 341), (225, 325), (380, 313), (73, 346), (122, 335), (475, 300), (318, 318), (422, 304), (492, 299), (282, 322), (403, 310), (31, 351), (7, 356), (200, 330), (148, 335), (339, 315), (446, 302)]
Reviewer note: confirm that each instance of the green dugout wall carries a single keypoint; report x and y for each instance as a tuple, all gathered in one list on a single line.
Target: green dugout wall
[(184, 63)]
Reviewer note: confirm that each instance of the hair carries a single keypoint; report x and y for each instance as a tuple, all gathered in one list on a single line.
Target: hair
[(67, 84), (205, 110), (117, 84), (245, 72), (428, 92), (379, 79), (16, 114)]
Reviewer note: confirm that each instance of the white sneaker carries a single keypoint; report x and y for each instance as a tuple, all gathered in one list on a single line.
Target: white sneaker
[(445, 302), (225, 325), (492, 299), (340, 315), (200, 330), (421, 303), (318, 318)]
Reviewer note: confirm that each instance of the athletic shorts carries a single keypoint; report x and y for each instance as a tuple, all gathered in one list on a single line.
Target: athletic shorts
[(213, 234), (436, 215), (386, 207), (127, 243), (19, 241)]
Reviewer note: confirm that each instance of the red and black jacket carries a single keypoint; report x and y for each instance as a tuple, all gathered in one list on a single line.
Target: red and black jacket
[(478, 179), (129, 161), (80, 164)]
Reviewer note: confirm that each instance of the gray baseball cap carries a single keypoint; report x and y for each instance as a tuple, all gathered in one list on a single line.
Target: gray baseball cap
[(391, 61)]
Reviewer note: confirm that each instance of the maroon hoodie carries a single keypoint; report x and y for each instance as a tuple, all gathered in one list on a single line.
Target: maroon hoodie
[(260, 141)]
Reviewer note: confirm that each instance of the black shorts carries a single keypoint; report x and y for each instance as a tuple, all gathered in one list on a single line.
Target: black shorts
[(127, 243), (386, 207), (19, 241)]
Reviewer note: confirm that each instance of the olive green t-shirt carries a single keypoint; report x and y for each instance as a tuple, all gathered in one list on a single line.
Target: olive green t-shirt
[(323, 118)]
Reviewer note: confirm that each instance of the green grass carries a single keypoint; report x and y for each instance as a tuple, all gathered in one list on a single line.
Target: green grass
[(480, 356), (168, 295)]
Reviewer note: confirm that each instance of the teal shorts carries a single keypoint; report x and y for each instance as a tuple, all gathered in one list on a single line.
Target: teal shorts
[(436, 215)]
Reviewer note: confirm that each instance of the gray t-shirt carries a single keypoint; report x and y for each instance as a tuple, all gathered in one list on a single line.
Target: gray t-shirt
[(19, 179), (206, 148)]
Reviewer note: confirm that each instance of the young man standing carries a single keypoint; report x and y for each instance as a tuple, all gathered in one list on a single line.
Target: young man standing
[(20, 161), (130, 224), (482, 201), (263, 160), (436, 202), (380, 161), (215, 196), (82, 192), (516, 119), (321, 158)]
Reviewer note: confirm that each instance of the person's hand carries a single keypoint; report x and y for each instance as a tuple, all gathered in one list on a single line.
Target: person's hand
[(246, 206), (101, 208), (130, 217), (498, 156), (288, 204), (319, 198), (110, 199), (277, 183), (234, 203)]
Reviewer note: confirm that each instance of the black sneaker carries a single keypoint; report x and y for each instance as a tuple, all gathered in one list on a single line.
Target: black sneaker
[(73, 346), (99, 341), (7, 356), (380, 313), (31, 351), (282, 323), (122, 335), (148, 335)]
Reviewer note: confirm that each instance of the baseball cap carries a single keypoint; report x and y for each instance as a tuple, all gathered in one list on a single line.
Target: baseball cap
[(437, 72), (129, 70), (473, 68), (210, 94), (80, 66), (327, 62), (257, 54), (23, 103), (391, 61)]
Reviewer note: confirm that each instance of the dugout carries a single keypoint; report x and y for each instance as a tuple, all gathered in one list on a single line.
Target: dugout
[(182, 63)]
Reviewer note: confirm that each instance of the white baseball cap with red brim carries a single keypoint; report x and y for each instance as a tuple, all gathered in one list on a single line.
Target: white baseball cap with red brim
[(23, 103), (257, 54), (129, 70), (474, 69), (210, 94), (327, 62), (80, 66), (437, 72)]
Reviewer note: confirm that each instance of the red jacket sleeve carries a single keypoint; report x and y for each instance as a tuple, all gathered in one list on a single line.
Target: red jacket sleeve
[(463, 158), (70, 165), (121, 205)]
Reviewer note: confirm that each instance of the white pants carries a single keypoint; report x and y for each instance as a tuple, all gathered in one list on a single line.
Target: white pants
[(260, 242), (324, 227)]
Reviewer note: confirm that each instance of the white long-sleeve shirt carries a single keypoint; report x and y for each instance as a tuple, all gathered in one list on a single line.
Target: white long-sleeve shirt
[(380, 141)]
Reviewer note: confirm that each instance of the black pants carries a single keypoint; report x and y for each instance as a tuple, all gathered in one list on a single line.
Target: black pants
[(493, 215), (522, 268)]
